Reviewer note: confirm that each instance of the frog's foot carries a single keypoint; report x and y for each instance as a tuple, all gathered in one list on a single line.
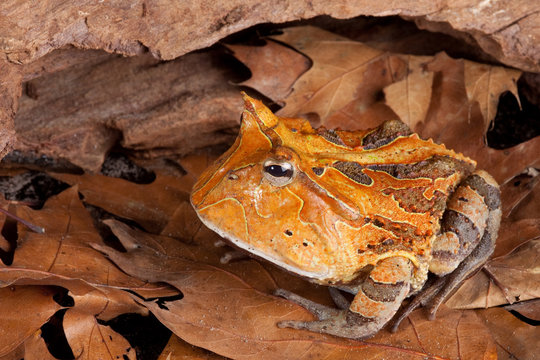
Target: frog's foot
[(376, 301), (338, 322)]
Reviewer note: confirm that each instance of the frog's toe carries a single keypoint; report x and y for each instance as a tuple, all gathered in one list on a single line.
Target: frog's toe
[(340, 300), (320, 311), (293, 324), (320, 326), (345, 324)]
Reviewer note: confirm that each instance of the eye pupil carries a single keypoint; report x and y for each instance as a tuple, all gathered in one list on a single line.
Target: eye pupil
[(278, 171)]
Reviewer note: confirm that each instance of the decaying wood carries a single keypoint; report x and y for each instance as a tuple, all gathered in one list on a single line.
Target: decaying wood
[(10, 89), (169, 29), (80, 112)]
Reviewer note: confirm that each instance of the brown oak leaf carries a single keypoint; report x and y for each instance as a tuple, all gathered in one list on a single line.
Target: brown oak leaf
[(37, 305)]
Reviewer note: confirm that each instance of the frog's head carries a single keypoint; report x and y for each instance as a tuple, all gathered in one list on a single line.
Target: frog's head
[(258, 196)]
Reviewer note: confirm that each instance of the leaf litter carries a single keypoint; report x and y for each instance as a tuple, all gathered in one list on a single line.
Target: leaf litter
[(228, 308)]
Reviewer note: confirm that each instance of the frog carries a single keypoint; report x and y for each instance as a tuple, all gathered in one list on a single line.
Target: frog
[(366, 212)]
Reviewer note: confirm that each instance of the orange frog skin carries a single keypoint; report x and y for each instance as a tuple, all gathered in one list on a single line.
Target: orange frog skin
[(367, 212)]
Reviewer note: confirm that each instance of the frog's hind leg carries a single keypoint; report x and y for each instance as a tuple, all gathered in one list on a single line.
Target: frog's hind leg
[(468, 233), (376, 302), (473, 211)]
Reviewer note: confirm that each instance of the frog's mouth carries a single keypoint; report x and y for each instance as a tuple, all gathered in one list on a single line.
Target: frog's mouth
[(320, 277)]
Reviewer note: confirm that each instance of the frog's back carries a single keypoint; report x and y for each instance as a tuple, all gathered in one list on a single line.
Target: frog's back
[(394, 184)]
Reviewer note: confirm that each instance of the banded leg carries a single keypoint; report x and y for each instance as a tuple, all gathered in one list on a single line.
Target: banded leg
[(468, 233), (377, 300)]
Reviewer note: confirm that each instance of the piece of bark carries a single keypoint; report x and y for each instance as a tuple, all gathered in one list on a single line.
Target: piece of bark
[(10, 90), (169, 28), (494, 26), (79, 111)]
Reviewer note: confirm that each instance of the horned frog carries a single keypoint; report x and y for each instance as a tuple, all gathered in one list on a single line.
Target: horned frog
[(365, 212)]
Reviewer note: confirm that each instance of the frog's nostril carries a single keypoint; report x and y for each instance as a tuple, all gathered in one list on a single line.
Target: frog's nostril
[(288, 232)]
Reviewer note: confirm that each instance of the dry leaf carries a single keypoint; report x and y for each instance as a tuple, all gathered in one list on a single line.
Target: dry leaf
[(451, 120), (464, 327), (194, 165), (145, 204), (36, 349), (184, 223), (178, 349), (514, 338), (285, 64), (410, 97), (63, 248), (37, 305), (506, 279), (106, 303), (90, 340), (366, 108), (515, 192), (161, 207), (514, 233), (202, 250), (62, 257), (338, 69), (354, 88), (529, 309), (528, 204), (485, 83), (518, 272)]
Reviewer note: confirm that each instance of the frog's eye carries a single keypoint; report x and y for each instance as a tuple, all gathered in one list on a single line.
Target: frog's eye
[(278, 173)]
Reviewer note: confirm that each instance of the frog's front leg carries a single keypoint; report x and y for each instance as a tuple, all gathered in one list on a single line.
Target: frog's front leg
[(377, 300)]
